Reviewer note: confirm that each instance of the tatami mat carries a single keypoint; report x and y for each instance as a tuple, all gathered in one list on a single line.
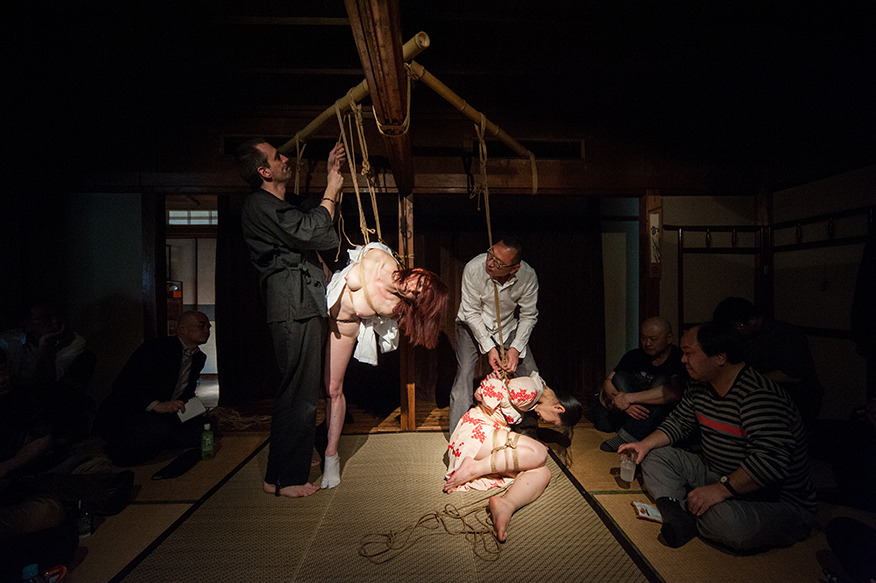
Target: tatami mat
[(157, 504), (697, 561), (389, 482), (215, 523)]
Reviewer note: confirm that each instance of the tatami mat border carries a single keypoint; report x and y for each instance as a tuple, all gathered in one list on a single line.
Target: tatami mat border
[(197, 504), (641, 562)]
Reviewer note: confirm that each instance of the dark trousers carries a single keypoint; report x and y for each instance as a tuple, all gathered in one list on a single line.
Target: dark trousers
[(612, 420), (137, 439), (464, 383), (299, 346)]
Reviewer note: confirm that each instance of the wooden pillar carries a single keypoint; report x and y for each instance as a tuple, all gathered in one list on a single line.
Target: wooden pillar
[(650, 261), (406, 354), (764, 294), (154, 274)]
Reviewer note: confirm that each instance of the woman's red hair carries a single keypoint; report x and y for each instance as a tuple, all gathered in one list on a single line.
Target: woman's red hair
[(421, 318)]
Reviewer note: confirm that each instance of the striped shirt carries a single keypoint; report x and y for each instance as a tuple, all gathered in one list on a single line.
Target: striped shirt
[(754, 426)]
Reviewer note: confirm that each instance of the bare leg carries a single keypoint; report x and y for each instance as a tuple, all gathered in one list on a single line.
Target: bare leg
[(338, 353), (530, 454), (527, 487), (292, 491)]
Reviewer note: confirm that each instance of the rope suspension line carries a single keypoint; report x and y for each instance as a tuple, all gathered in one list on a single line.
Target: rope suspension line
[(356, 111), (484, 187), (299, 160)]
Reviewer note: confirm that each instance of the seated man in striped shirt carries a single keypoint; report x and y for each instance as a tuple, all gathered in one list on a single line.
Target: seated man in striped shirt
[(749, 488)]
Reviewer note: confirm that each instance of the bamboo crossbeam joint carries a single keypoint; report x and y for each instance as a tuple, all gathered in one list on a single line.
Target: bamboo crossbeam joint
[(460, 104), (416, 45)]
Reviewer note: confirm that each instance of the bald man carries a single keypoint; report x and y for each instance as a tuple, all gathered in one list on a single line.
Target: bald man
[(642, 389), (139, 419)]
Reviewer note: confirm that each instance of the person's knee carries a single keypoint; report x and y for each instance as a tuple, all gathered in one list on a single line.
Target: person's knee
[(536, 451), (655, 460), (723, 526), (335, 389), (625, 382), (716, 525), (542, 472)]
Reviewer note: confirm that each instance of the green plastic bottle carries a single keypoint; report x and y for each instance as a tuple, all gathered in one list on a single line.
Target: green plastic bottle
[(207, 443)]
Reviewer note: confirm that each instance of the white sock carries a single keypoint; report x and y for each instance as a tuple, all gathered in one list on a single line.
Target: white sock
[(331, 474)]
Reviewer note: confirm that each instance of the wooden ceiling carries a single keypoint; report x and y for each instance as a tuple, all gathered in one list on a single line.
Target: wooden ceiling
[(784, 86)]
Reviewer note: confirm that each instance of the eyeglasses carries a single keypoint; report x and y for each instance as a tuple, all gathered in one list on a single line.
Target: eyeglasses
[(495, 261)]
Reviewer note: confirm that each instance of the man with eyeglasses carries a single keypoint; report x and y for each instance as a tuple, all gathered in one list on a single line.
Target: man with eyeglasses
[(477, 327)]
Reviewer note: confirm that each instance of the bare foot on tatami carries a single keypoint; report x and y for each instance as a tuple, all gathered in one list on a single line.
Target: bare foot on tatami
[(501, 511), (466, 472), (292, 491)]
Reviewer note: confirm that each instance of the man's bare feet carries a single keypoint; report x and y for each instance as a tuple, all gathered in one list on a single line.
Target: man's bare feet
[(466, 471), (501, 511), (292, 491)]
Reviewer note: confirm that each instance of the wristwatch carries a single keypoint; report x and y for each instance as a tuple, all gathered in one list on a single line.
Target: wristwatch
[(725, 481)]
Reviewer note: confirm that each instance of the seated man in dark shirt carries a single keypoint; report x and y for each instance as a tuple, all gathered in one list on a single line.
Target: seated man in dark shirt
[(139, 419), (643, 388)]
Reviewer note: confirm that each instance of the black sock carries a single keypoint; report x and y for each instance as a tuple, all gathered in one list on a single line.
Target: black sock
[(679, 525)]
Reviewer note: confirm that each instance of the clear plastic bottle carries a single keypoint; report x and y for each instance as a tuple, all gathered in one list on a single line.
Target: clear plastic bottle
[(207, 443), (84, 520)]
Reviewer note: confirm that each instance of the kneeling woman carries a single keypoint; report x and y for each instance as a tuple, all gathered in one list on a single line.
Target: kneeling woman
[(372, 297), (484, 453)]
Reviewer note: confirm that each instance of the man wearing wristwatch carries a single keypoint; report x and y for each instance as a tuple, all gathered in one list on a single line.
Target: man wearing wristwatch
[(284, 239), (749, 489)]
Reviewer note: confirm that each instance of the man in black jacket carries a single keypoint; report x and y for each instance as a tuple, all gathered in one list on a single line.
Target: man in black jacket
[(284, 239), (139, 419)]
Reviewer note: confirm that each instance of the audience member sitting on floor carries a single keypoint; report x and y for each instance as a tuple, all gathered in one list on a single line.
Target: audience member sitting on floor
[(484, 453), (776, 350), (139, 418), (749, 489), (51, 360), (642, 389), (33, 525)]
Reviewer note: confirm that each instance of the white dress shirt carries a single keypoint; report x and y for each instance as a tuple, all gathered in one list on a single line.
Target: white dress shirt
[(518, 297)]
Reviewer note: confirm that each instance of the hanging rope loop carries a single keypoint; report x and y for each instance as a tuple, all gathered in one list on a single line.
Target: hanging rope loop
[(366, 172), (388, 129)]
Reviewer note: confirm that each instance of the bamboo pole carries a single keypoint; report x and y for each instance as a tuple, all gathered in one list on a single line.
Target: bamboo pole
[(418, 43), (419, 72)]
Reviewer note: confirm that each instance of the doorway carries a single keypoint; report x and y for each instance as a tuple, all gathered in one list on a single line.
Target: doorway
[(190, 247)]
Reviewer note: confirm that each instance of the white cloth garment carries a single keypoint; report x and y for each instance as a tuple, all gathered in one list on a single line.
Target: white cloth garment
[(370, 329)]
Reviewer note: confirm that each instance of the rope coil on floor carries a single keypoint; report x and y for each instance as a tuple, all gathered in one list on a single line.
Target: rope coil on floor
[(472, 521)]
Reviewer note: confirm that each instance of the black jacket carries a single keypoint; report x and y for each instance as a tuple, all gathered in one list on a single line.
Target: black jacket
[(151, 374)]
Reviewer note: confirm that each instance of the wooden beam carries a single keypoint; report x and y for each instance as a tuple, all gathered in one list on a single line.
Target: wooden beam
[(411, 49), (376, 28)]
